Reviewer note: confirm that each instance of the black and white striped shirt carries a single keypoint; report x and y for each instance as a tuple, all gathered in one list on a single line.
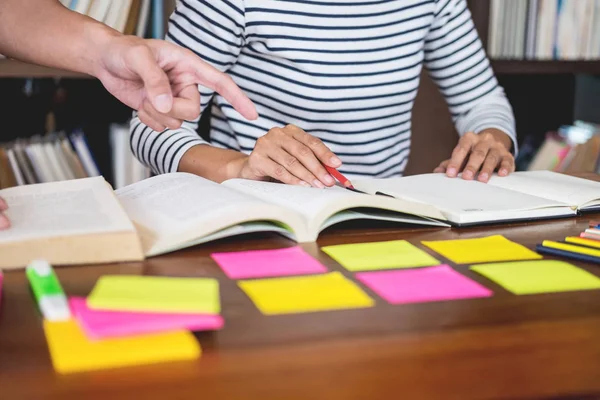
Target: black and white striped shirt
[(346, 71)]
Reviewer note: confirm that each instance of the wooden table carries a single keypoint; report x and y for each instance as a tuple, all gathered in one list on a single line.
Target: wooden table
[(504, 347)]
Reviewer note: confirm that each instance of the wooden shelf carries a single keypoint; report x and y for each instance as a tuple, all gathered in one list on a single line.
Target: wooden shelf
[(16, 69), (545, 67)]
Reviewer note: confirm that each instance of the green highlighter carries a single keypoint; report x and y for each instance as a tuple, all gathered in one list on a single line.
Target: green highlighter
[(47, 291)]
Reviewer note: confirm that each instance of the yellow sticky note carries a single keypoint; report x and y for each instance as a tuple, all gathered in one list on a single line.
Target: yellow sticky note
[(380, 255), (480, 250), (583, 242), (531, 277), (305, 294), (71, 351), (155, 294)]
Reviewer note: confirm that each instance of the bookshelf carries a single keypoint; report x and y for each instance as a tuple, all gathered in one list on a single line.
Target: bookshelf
[(480, 10), (545, 67)]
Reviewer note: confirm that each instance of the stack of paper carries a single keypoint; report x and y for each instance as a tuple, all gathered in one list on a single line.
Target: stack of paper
[(134, 320), (122, 304)]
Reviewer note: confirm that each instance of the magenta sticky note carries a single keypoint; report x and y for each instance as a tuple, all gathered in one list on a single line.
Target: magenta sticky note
[(422, 285), (106, 324), (268, 263)]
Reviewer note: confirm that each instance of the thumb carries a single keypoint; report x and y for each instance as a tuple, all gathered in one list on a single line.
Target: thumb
[(156, 81)]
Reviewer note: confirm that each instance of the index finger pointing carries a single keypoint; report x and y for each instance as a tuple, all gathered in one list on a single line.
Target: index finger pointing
[(223, 84)]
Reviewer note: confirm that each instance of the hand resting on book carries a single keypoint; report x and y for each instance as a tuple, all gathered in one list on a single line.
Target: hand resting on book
[(290, 155), (479, 155)]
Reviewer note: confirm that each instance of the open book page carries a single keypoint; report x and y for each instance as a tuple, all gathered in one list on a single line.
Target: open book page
[(319, 206), (179, 208), (235, 230), (461, 201), (552, 185), (75, 207)]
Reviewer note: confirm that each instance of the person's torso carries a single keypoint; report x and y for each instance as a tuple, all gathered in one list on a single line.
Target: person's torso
[(344, 71)]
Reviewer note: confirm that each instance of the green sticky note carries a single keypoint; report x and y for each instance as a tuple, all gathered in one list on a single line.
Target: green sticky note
[(480, 250), (380, 255), (303, 294), (155, 294), (531, 277)]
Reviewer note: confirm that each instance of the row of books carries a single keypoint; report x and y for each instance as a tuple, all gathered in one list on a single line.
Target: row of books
[(41, 159), (544, 29), (131, 17), (571, 149), (58, 157)]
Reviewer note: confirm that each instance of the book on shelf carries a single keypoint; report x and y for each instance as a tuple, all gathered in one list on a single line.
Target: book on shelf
[(573, 149), (84, 221), (125, 167), (59, 157), (49, 158), (131, 17), (544, 29)]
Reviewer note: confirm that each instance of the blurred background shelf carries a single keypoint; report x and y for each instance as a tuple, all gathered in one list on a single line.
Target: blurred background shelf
[(546, 67)]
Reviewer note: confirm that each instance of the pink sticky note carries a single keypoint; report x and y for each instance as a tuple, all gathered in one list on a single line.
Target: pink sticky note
[(268, 263), (105, 324), (422, 285)]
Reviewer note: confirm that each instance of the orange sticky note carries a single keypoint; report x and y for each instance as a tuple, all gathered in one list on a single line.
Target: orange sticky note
[(71, 351)]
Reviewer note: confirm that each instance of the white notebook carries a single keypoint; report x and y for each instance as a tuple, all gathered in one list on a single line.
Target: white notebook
[(520, 196)]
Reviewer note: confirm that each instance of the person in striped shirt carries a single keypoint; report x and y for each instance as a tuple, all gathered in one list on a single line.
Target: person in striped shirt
[(334, 82)]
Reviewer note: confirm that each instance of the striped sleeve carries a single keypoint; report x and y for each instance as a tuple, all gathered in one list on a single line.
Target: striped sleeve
[(216, 34), (456, 61)]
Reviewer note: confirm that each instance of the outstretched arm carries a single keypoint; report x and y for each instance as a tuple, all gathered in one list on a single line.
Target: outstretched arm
[(134, 70)]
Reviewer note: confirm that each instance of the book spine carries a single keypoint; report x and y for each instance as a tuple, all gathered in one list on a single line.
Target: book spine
[(158, 19)]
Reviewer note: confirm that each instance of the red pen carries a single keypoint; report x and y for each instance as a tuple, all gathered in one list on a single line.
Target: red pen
[(341, 178)]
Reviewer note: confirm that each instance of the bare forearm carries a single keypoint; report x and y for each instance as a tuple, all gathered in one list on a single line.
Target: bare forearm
[(44, 32), (212, 163)]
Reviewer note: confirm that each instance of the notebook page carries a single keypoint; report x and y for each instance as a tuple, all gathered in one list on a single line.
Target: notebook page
[(308, 202), (176, 202), (551, 185), (75, 207), (454, 195)]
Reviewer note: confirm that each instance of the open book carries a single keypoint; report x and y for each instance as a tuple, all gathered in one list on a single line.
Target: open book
[(519, 196), (83, 221)]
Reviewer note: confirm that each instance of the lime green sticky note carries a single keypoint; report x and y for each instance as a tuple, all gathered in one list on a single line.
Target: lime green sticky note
[(531, 277), (481, 250), (155, 294), (303, 294), (380, 255)]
